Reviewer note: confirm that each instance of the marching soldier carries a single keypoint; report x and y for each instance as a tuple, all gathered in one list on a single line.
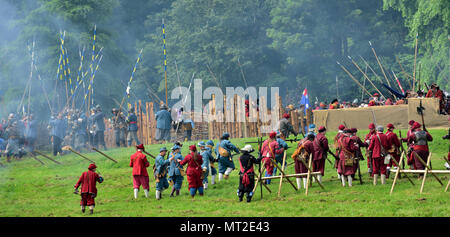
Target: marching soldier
[(269, 149), (88, 182), (30, 132), (320, 152), (223, 152), (367, 140), (285, 127), (358, 154), (58, 132), (163, 122), (160, 173), (279, 157), (301, 157), (393, 144), (347, 149), (99, 132), (175, 170), (140, 163), (119, 126), (247, 173), (207, 159), (194, 171), (409, 143), (336, 139), (80, 130), (419, 138), (379, 146), (13, 134), (132, 127), (209, 148)]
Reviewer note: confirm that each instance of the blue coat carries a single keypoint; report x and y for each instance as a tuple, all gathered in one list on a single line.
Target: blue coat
[(281, 144), (59, 127), (163, 119), (99, 120), (207, 159), (227, 145), (132, 120), (31, 129), (160, 165), (173, 170)]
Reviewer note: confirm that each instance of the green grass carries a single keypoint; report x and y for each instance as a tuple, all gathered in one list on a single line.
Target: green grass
[(28, 189)]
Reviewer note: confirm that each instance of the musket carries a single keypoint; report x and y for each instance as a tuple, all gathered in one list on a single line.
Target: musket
[(42, 154), (95, 149), (72, 150)]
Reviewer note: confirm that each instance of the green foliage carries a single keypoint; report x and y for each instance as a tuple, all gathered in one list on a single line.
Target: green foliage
[(292, 44)]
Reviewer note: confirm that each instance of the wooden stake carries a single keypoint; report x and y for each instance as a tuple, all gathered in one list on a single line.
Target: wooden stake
[(426, 172), (42, 154), (427, 165), (95, 149), (281, 179)]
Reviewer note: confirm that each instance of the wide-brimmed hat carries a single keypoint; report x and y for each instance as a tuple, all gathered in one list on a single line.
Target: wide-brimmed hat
[(248, 148), (140, 146), (162, 149), (92, 166)]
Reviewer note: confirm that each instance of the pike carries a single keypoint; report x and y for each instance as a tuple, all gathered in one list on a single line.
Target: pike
[(415, 58), (354, 79), (44, 155), (379, 63), (72, 150), (420, 110), (34, 157), (365, 75), (403, 71), (95, 149)]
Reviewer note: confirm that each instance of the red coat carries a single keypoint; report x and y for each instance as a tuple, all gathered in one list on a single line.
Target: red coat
[(194, 169), (309, 147), (270, 150), (392, 140), (88, 182), (375, 145), (139, 163), (320, 144), (346, 144)]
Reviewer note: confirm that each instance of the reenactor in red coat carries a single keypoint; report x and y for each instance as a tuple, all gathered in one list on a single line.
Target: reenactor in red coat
[(367, 139), (419, 139), (302, 153), (379, 146), (347, 149), (88, 182), (320, 152), (194, 171), (336, 138), (409, 143), (394, 145), (269, 150), (140, 163), (358, 154)]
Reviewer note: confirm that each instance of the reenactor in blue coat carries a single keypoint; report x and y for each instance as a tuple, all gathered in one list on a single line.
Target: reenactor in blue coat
[(206, 154), (163, 124), (223, 152), (132, 127), (175, 175), (58, 128), (210, 147), (160, 172), (30, 133), (99, 122)]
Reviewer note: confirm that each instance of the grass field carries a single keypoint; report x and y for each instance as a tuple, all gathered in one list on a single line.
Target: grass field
[(28, 189)]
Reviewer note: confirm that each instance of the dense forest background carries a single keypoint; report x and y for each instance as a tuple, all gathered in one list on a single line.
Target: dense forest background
[(292, 44)]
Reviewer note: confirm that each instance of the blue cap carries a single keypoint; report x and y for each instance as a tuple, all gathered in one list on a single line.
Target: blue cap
[(201, 143), (312, 126), (175, 147), (162, 149), (226, 135), (210, 142)]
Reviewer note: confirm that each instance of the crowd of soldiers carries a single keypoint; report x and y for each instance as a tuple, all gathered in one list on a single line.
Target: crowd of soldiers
[(379, 100)]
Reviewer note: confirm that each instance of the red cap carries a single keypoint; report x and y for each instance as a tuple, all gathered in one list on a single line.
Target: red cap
[(321, 129), (193, 148), (92, 166), (354, 130), (273, 134), (411, 122), (286, 115), (140, 146), (376, 94), (416, 125), (390, 125), (341, 127), (371, 126)]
